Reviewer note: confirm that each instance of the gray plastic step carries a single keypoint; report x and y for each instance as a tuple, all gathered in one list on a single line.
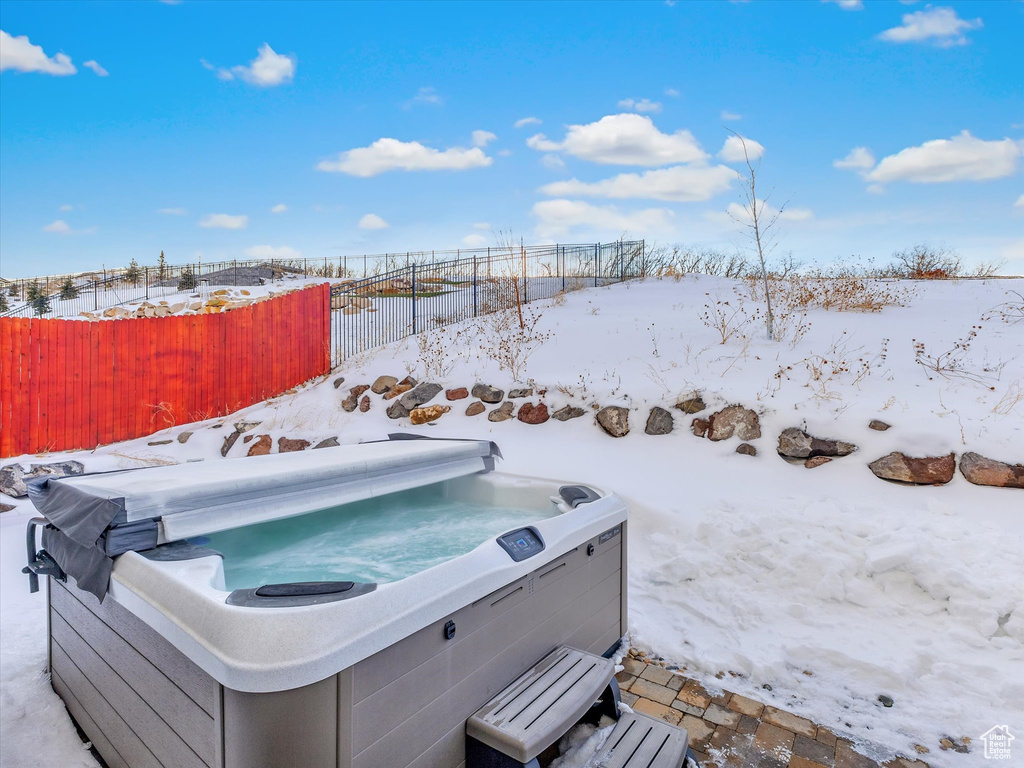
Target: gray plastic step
[(542, 704), (639, 741)]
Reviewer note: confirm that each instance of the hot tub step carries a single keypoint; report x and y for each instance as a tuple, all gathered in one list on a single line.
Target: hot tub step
[(639, 741), (538, 707)]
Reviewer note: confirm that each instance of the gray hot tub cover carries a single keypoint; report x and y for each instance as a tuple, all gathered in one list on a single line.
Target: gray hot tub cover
[(93, 518)]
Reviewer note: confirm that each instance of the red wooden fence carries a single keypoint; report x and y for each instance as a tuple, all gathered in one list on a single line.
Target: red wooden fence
[(67, 384)]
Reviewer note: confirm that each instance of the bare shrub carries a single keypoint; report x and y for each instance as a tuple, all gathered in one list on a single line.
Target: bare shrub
[(725, 318), (1010, 312), (510, 336), (838, 365), (926, 262), (955, 362)]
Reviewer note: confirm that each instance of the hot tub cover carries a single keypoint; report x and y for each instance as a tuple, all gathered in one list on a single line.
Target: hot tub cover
[(95, 517)]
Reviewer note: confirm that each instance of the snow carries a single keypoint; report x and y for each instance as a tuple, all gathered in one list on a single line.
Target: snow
[(815, 591)]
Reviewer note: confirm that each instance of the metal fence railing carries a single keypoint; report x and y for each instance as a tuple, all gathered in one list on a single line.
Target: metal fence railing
[(424, 295)]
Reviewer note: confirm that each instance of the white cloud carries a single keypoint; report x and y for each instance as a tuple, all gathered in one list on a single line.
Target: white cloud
[(673, 92), (940, 26), (223, 221), (266, 70), (279, 208), (640, 105), (426, 95), (875, 189), (730, 116), (552, 162), (961, 158), (95, 67), (624, 139), (66, 207), (555, 218), (1019, 203), (394, 155), (19, 54), (482, 225), (848, 5), (272, 252), (483, 138), (372, 221), (859, 158), (504, 152), (474, 241), (59, 226), (173, 211), (524, 121), (742, 213), (732, 150), (680, 184)]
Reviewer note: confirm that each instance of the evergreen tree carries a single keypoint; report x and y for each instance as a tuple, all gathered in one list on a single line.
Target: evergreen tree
[(162, 266), (39, 300), (33, 292), (3, 303), (133, 273), (68, 289), (13, 290), (187, 280)]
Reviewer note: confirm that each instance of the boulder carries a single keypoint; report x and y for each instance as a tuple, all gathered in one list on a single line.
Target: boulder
[(878, 426), (420, 394), (691, 405), (364, 404), (734, 421), (382, 384), (460, 393), (487, 393), (699, 427), (398, 389), (261, 447), (229, 442), (184, 436), (567, 412), (349, 404), (13, 476), (746, 449), (357, 390), (397, 411), (614, 420), (247, 438), (533, 414), (503, 412), (428, 413), (659, 422), (475, 408), (408, 381), (817, 461), (6, 507), (245, 426), (982, 471), (794, 443), (930, 470), (521, 392), (288, 445), (330, 442), (160, 442)]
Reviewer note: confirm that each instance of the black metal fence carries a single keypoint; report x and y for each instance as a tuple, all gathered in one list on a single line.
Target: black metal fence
[(425, 295)]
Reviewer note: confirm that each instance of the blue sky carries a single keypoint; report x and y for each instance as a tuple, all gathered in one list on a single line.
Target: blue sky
[(221, 130)]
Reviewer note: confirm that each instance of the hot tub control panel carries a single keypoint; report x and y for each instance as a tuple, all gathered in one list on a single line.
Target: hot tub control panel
[(522, 543)]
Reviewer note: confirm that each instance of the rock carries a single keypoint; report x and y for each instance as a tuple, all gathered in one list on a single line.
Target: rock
[(817, 461), (395, 391), (357, 390), (330, 442), (521, 392), (930, 470), (885, 701), (288, 444), (533, 414), (428, 413), (659, 422), (408, 381), (981, 471), (261, 447), (245, 426), (382, 384), (184, 436), (349, 404), (614, 420), (420, 394), (160, 442), (229, 442), (699, 427), (13, 476), (502, 413), (567, 412), (691, 405), (475, 409), (364, 404), (397, 411), (796, 444), (734, 421), (487, 393), (746, 449), (878, 426), (461, 393), (6, 507)]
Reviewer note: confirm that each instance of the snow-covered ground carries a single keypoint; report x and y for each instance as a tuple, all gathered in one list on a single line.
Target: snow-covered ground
[(813, 590)]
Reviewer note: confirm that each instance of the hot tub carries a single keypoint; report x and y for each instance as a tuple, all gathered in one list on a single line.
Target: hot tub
[(350, 607)]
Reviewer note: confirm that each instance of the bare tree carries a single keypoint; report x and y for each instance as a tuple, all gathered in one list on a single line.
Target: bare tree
[(759, 219)]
